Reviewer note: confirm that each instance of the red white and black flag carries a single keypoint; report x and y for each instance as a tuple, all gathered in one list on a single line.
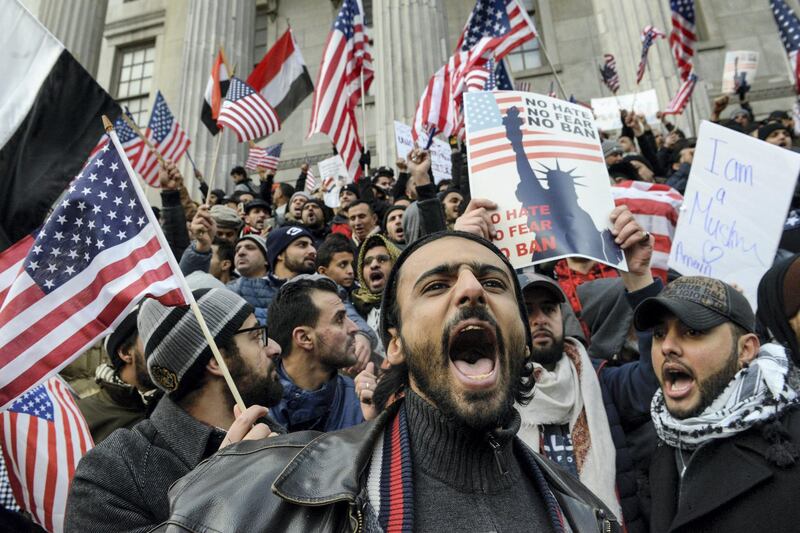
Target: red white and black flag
[(282, 77), (50, 108), (216, 89)]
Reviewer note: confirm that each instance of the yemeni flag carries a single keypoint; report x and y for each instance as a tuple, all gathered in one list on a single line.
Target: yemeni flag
[(51, 111), (216, 89), (282, 77)]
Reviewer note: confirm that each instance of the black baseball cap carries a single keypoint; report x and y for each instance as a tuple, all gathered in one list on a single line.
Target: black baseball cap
[(528, 280), (258, 202), (699, 302)]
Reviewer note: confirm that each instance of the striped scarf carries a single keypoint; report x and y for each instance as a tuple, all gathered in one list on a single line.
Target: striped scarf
[(757, 394), (389, 481)]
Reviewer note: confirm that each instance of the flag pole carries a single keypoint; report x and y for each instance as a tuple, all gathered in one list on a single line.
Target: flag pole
[(109, 127), (213, 167), (364, 116), (131, 124), (553, 70)]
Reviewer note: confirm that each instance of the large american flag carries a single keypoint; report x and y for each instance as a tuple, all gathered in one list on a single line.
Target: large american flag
[(655, 207), (489, 147), (168, 139), (789, 28), (682, 97), (99, 252), (683, 37), (649, 35), (497, 18), (608, 72), (266, 158), (247, 112), (43, 436), (346, 57)]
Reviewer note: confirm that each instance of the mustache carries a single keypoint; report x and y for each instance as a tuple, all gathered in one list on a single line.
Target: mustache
[(467, 313)]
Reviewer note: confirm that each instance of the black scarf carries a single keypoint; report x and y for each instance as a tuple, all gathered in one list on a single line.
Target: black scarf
[(771, 307)]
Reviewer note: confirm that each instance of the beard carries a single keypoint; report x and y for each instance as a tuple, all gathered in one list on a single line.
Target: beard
[(428, 364), (142, 375), (299, 266), (713, 386), (266, 390), (337, 356), (550, 355)]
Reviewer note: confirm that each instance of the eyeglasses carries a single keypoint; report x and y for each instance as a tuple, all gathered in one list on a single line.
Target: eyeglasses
[(264, 338), (380, 258)]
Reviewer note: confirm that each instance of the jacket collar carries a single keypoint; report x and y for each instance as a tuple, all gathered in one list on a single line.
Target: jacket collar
[(710, 462), (187, 437)]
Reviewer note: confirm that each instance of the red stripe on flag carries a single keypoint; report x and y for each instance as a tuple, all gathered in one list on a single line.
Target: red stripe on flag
[(30, 464), (79, 339), (537, 155), (532, 144), (52, 475)]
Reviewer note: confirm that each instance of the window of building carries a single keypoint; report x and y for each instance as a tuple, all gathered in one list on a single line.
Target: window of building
[(529, 55), (134, 80), (260, 41)]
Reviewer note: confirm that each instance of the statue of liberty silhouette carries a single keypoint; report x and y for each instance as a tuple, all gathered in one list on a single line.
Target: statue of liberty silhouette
[(571, 226)]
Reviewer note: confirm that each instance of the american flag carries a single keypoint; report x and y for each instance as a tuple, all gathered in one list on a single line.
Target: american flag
[(131, 142), (168, 139), (489, 147), (264, 157), (311, 180), (609, 73), (683, 36), (11, 262), (655, 207), (506, 19), (347, 57), (681, 98), (247, 112), (789, 28), (552, 92), (523, 86), (649, 35), (43, 437), (99, 252)]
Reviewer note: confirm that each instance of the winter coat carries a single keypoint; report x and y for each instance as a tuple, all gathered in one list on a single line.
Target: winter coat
[(174, 222), (258, 292), (192, 260), (116, 405), (732, 484), (121, 484)]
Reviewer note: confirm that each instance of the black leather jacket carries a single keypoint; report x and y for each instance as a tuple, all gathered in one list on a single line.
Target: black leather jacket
[(308, 481)]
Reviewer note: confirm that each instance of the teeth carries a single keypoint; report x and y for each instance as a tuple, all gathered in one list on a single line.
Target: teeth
[(479, 376), (471, 327)]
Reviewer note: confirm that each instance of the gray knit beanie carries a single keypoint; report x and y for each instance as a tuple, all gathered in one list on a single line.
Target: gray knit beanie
[(172, 338)]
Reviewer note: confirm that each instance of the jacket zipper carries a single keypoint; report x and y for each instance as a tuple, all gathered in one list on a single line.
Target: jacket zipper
[(359, 519), (498, 455), (604, 521)]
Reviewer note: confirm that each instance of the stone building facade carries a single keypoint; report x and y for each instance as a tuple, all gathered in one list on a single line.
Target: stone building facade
[(137, 47)]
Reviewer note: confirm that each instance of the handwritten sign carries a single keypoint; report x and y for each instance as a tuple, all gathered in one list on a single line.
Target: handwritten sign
[(539, 159), (440, 151), (334, 175), (606, 110), (735, 204), (739, 62)]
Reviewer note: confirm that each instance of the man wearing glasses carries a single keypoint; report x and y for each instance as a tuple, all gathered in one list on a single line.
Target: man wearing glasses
[(123, 481)]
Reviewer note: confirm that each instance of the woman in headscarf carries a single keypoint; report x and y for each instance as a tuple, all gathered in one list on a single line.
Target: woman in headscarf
[(779, 309)]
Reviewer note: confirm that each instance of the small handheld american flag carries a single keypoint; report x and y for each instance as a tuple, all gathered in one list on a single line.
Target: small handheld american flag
[(682, 97), (266, 158), (247, 113), (99, 253), (609, 73), (649, 35), (43, 436)]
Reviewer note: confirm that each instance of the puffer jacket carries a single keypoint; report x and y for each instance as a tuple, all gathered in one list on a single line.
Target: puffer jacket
[(258, 292)]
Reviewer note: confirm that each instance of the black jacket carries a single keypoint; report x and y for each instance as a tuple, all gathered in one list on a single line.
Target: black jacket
[(317, 483), (729, 485)]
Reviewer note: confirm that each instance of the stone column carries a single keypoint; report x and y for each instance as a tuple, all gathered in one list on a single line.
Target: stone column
[(209, 24), (410, 46), (79, 24)]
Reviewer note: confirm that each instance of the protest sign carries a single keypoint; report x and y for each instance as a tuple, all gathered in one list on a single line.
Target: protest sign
[(539, 159), (739, 62), (334, 175), (440, 151), (606, 110), (734, 208)]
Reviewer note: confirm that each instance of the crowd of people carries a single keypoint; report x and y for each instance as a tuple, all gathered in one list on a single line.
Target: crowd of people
[(399, 374)]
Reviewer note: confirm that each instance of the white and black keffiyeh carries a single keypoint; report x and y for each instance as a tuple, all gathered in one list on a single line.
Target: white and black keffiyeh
[(757, 394)]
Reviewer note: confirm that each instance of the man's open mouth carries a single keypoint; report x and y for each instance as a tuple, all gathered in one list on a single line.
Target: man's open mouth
[(678, 380), (472, 352)]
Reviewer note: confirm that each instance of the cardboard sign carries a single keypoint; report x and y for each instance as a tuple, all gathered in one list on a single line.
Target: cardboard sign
[(606, 110), (540, 159), (734, 208), (741, 62), (334, 175), (441, 165)]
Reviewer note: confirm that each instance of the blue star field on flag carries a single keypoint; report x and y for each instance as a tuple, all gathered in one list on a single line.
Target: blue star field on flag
[(344, 22), (788, 25), (161, 120), (100, 210), (35, 402), (482, 111)]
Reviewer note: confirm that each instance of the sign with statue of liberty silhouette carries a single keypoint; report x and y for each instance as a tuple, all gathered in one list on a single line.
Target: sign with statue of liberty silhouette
[(540, 160)]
